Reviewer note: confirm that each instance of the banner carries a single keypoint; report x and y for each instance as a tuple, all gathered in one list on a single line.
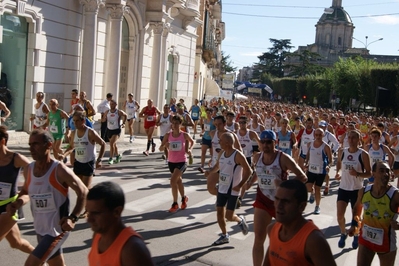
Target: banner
[(254, 90)]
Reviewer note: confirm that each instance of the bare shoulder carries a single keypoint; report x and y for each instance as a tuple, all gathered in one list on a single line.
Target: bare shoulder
[(135, 252)]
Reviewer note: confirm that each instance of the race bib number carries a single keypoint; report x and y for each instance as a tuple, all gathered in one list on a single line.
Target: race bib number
[(150, 118), (54, 129), (175, 146), (373, 235), (266, 181), (284, 144), (224, 179), (5, 190), (349, 166), (80, 152), (43, 203), (314, 168), (194, 115), (207, 127), (130, 114), (112, 123)]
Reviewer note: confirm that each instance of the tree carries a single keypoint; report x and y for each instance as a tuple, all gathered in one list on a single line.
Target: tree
[(306, 64), (226, 65), (273, 61)]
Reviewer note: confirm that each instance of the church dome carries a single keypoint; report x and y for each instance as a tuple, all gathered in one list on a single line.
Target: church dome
[(339, 14)]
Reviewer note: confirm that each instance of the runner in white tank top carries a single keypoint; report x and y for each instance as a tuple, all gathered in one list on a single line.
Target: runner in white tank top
[(47, 182)]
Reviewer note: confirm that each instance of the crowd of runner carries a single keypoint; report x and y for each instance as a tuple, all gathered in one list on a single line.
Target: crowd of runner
[(287, 151)]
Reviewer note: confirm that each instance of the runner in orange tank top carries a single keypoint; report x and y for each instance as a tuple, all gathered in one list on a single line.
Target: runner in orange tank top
[(113, 242), (293, 239)]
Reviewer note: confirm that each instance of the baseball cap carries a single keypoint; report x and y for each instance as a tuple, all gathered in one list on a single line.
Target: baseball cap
[(322, 123), (268, 134)]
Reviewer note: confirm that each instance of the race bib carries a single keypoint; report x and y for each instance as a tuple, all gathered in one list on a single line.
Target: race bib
[(373, 235), (194, 115), (150, 118), (130, 114), (80, 152), (5, 190), (349, 166), (175, 145), (224, 179), (267, 181), (314, 168), (284, 144), (43, 203), (54, 129), (207, 127)]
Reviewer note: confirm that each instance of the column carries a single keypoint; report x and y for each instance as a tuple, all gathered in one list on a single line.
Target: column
[(113, 60), (156, 62), (89, 47)]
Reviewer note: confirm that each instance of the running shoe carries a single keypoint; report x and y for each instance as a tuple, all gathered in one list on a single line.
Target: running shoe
[(163, 157), (153, 147), (111, 161), (341, 242), (145, 153), (201, 169), (184, 201), (223, 239), (311, 199), (316, 210), (325, 192), (174, 208), (243, 225), (131, 139), (65, 160), (190, 160), (193, 137), (355, 242), (118, 158)]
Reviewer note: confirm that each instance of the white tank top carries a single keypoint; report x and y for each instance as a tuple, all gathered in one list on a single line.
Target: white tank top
[(165, 126), (113, 120), (305, 139), (258, 131), (246, 144), (345, 142), (267, 174), (268, 123), (231, 127), (349, 161), (316, 159), (48, 200), (396, 147), (85, 151), (230, 174), (39, 114), (131, 109), (216, 148), (376, 155)]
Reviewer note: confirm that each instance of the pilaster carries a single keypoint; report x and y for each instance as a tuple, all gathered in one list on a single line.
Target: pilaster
[(89, 47), (113, 60)]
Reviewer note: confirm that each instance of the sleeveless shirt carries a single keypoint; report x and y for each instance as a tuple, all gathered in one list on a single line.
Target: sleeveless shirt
[(85, 151), (230, 174)]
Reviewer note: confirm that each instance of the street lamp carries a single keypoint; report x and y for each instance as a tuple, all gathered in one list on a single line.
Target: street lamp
[(366, 45)]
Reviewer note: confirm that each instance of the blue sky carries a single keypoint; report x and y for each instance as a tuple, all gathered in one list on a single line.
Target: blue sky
[(248, 34)]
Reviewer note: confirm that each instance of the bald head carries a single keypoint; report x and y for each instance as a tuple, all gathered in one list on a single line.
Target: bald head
[(228, 138)]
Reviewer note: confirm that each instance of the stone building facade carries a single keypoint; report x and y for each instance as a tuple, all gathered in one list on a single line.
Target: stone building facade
[(146, 47)]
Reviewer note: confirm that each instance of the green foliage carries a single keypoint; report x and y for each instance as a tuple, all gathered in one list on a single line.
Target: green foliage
[(226, 64), (352, 78), (272, 62), (308, 64)]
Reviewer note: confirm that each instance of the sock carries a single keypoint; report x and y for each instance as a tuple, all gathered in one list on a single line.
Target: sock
[(148, 144), (152, 141)]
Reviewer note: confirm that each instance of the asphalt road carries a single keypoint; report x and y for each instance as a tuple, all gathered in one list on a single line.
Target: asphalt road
[(185, 237)]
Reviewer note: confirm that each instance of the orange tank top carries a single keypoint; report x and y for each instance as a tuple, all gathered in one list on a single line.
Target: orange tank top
[(112, 256), (291, 252)]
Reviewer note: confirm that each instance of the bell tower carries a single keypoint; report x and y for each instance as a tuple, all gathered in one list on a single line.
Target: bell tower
[(337, 3), (334, 31)]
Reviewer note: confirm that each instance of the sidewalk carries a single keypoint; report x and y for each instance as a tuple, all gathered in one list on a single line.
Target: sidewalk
[(18, 142)]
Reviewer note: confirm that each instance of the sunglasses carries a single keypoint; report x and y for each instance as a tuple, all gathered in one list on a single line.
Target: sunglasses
[(242, 122), (266, 141)]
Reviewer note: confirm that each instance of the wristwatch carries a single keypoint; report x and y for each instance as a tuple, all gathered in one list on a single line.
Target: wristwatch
[(73, 218)]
